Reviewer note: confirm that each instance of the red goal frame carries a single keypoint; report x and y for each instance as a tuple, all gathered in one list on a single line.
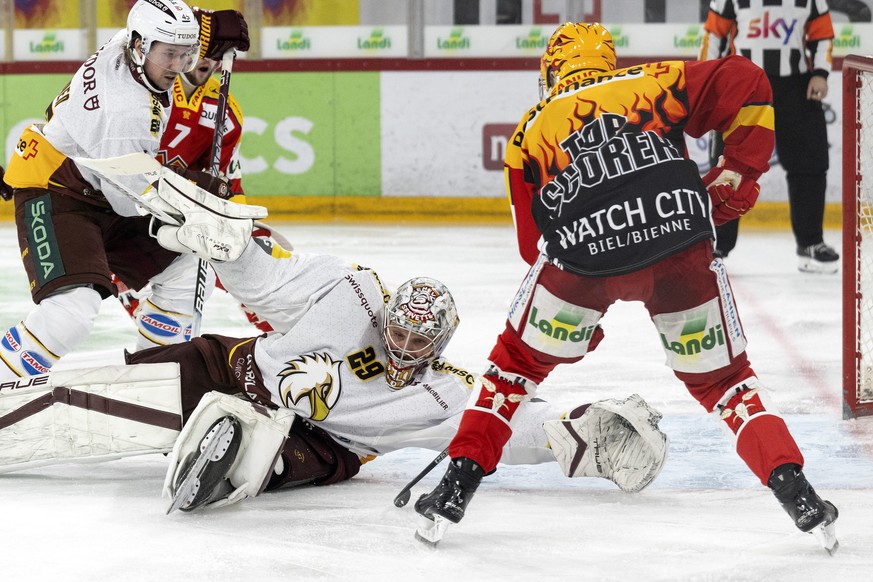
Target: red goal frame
[(855, 298)]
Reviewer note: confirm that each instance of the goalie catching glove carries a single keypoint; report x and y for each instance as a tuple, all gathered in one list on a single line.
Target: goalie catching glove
[(206, 226), (618, 440), (732, 194)]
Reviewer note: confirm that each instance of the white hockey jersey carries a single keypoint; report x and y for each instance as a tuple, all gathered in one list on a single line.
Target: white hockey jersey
[(326, 359), (103, 112)]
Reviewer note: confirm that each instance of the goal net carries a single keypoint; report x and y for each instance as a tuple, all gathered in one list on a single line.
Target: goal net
[(857, 236)]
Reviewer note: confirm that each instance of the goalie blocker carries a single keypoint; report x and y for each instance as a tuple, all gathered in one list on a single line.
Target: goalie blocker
[(208, 227)]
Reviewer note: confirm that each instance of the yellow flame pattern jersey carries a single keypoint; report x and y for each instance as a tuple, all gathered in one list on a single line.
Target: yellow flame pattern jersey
[(598, 174)]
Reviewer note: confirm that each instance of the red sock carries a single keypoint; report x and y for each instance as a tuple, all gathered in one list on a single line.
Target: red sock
[(480, 437)]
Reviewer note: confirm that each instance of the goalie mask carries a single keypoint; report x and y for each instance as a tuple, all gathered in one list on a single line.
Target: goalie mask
[(170, 38), (575, 47), (420, 319)]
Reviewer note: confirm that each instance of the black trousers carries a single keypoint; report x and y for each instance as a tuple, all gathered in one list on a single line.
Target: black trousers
[(802, 148)]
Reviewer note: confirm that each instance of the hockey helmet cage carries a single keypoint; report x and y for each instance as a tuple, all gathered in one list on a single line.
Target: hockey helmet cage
[(166, 21), (575, 46), (420, 319)]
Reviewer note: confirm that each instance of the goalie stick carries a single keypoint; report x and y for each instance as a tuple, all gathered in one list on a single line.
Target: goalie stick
[(130, 165), (215, 169), (403, 497)]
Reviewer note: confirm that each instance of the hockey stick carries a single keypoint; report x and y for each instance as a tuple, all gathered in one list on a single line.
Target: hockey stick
[(129, 165), (215, 169), (403, 497)]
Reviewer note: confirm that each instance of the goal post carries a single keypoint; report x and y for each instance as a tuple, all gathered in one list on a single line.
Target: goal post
[(857, 236)]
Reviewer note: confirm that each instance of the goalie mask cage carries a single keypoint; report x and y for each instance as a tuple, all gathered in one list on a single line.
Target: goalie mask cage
[(857, 236)]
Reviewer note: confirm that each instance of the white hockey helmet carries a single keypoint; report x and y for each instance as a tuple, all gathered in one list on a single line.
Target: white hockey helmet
[(420, 319), (166, 21)]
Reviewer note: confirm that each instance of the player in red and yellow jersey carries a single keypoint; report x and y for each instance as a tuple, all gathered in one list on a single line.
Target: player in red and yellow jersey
[(608, 207), (187, 141)]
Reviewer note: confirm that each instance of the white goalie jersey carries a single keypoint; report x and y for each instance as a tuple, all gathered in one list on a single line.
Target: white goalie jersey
[(326, 359)]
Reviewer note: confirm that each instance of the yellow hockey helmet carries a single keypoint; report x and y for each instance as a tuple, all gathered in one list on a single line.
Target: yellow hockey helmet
[(575, 46)]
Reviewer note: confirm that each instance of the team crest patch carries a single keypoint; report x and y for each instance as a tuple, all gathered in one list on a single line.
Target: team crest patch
[(312, 379)]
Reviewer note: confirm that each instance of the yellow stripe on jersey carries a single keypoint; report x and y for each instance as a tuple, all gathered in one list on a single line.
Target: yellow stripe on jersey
[(752, 116), (230, 362), (34, 162)]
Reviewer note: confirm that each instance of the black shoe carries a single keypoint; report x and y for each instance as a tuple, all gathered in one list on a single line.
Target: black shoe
[(818, 258), (799, 499), (450, 498)]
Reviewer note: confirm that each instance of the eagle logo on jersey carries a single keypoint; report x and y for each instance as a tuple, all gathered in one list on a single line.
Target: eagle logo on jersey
[(312, 379)]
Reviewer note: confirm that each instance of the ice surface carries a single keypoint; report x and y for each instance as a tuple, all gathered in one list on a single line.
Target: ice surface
[(705, 518)]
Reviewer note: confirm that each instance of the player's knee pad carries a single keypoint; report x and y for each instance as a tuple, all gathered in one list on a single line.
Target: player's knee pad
[(264, 432), (743, 403), (615, 439), (501, 393), (758, 432)]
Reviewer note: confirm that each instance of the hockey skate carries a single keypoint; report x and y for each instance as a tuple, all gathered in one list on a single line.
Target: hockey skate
[(203, 475), (447, 503), (810, 512)]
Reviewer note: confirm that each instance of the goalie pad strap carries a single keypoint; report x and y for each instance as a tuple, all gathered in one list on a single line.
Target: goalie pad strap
[(108, 406), (89, 414)]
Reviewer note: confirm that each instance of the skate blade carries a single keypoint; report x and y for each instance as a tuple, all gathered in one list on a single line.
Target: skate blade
[(187, 489), (431, 531), (827, 537)]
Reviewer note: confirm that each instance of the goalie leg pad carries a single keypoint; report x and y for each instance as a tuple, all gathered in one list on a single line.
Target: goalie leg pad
[(614, 439), (262, 435), (89, 414)]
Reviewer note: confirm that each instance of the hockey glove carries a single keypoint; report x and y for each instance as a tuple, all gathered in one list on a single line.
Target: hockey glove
[(5, 189), (614, 439), (206, 226), (220, 31), (732, 194)]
